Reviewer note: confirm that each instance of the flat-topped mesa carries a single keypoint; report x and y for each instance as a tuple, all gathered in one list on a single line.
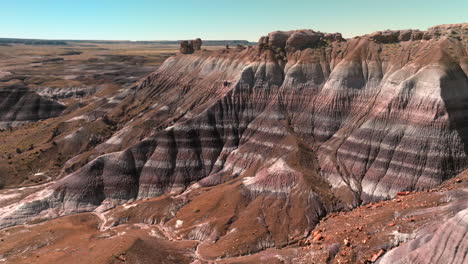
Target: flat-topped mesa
[(297, 40), (395, 36), (189, 47), (293, 40)]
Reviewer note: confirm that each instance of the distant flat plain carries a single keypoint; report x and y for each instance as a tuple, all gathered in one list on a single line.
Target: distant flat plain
[(80, 63), (106, 67)]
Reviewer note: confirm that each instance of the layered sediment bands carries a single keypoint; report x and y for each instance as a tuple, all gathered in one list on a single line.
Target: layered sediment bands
[(196, 147), (305, 122), (402, 141), (178, 155), (446, 242), (19, 105), (275, 205)]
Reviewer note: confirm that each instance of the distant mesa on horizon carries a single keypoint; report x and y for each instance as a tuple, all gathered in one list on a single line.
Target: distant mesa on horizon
[(8, 41)]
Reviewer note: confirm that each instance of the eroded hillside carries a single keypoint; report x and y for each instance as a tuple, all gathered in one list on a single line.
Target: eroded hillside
[(236, 155)]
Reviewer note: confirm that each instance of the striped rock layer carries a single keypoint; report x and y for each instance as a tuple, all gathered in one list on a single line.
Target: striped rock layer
[(19, 105), (302, 124), (442, 242)]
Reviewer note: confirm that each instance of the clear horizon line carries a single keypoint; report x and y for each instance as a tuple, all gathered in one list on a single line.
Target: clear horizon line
[(345, 36), (127, 40)]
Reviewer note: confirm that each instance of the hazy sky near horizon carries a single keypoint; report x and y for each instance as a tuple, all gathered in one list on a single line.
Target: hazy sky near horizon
[(225, 19)]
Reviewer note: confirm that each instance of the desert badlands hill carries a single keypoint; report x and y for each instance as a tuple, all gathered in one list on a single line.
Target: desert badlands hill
[(306, 148)]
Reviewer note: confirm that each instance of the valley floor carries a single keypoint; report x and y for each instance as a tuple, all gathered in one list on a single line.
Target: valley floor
[(358, 236)]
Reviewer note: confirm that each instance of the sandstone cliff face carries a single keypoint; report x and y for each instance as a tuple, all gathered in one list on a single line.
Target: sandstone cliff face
[(303, 124)]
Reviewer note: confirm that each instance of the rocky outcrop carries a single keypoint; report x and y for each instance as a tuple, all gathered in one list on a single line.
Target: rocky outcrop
[(20, 105), (305, 123), (189, 47), (297, 40), (395, 36), (186, 47), (391, 36), (196, 44)]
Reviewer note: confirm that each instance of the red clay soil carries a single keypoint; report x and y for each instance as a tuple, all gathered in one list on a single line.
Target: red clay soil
[(358, 236)]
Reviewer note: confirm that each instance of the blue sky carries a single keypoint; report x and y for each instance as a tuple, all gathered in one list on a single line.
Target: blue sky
[(223, 19)]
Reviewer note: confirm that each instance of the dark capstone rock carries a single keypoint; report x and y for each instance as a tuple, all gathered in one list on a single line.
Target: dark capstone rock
[(333, 37), (427, 36), (417, 35), (387, 36), (186, 47), (189, 47), (405, 35), (278, 39), (263, 42), (297, 40), (303, 39), (196, 44), (395, 36)]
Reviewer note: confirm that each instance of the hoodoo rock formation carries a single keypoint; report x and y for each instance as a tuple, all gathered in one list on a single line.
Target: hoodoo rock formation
[(196, 44), (308, 124), (186, 47), (189, 47)]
